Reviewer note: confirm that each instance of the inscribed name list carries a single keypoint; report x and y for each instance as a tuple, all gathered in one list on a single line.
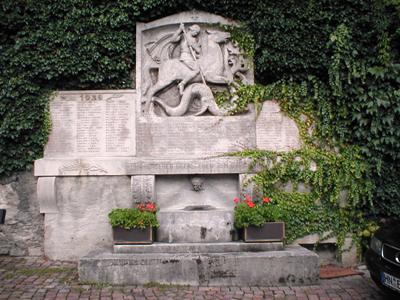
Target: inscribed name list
[(92, 124)]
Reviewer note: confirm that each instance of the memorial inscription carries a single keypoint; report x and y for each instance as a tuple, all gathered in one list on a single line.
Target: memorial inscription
[(92, 124)]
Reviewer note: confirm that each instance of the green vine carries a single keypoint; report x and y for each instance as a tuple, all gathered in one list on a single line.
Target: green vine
[(241, 36), (321, 187)]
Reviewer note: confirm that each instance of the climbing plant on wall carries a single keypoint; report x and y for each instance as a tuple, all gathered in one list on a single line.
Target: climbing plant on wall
[(346, 51)]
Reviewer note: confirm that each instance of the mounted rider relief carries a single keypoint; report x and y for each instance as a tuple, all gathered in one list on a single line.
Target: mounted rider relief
[(183, 65)]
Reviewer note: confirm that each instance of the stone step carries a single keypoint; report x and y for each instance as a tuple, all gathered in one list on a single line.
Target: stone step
[(199, 247), (294, 265)]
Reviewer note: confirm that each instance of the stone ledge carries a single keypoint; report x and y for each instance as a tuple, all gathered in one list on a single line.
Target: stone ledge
[(292, 266), (199, 247), (114, 166)]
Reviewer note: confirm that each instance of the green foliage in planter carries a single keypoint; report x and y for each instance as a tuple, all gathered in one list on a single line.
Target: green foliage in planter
[(256, 215), (129, 218)]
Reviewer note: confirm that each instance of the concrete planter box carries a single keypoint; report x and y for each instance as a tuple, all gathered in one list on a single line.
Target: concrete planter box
[(133, 236), (269, 232)]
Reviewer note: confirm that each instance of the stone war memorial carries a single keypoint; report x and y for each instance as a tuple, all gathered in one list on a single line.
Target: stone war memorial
[(166, 141)]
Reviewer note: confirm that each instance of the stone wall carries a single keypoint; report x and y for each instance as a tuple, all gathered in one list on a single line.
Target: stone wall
[(22, 233), (81, 223)]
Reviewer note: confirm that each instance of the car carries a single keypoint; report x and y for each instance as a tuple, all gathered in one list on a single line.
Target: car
[(383, 258)]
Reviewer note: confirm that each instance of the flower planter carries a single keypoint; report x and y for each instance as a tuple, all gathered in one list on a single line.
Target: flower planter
[(133, 236), (269, 232)]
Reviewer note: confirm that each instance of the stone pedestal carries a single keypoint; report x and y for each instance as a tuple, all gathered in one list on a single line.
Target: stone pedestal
[(291, 266)]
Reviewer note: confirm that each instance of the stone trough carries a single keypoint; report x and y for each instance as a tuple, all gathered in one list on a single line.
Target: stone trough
[(213, 264)]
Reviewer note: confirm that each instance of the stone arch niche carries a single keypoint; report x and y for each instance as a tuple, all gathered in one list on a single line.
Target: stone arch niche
[(166, 141)]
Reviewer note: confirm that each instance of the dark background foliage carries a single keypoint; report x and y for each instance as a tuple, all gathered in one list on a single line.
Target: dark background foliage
[(79, 44)]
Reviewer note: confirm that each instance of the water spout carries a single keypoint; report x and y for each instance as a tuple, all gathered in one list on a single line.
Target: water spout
[(199, 207)]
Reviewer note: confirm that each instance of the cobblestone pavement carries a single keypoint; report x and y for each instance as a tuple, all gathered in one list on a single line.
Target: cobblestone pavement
[(37, 278)]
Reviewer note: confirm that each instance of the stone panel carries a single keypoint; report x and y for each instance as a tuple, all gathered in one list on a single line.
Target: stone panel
[(189, 137), (141, 166), (92, 123), (175, 193), (143, 188), (82, 223), (47, 195), (275, 131), (164, 62), (210, 226)]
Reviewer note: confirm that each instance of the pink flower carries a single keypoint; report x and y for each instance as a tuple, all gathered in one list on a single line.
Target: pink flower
[(236, 200), (248, 198)]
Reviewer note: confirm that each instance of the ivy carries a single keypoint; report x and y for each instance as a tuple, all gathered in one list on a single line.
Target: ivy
[(334, 66)]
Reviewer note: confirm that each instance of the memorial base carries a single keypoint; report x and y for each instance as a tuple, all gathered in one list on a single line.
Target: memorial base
[(292, 266)]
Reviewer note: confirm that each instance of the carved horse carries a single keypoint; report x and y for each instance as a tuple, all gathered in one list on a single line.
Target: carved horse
[(172, 70)]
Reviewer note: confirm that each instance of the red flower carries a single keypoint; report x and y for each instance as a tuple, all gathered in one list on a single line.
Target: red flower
[(250, 203), (248, 198), (236, 200), (266, 200)]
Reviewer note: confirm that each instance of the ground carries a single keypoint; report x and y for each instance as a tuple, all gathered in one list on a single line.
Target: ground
[(38, 278)]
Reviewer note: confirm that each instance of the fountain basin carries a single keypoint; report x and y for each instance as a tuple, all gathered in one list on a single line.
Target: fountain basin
[(192, 225)]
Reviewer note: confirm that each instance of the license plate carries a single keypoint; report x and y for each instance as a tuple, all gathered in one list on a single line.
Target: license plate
[(390, 281)]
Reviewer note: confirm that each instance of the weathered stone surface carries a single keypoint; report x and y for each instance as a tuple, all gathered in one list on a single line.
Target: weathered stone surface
[(92, 123), (46, 194), (177, 193), (349, 257), (292, 266), (141, 166), (82, 224), (275, 131), (143, 188), (192, 137), (22, 233), (195, 226), (199, 247), (182, 59)]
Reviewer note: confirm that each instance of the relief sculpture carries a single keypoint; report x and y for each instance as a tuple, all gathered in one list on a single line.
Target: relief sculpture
[(195, 63)]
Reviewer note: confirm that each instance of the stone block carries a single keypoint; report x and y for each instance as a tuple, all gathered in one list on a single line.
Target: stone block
[(143, 188), (140, 166), (199, 247), (275, 131), (190, 137), (195, 226), (92, 123), (292, 266), (349, 257), (81, 224), (22, 232)]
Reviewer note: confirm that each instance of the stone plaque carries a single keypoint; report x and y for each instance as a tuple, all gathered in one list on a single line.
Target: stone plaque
[(275, 131), (194, 136), (142, 187), (183, 60), (92, 123)]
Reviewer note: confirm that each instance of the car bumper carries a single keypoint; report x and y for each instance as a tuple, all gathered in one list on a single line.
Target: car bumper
[(376, 265)]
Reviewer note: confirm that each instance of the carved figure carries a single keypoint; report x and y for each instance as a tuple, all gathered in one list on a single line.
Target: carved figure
[(193, 91), (205, 65), (197, 183)]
